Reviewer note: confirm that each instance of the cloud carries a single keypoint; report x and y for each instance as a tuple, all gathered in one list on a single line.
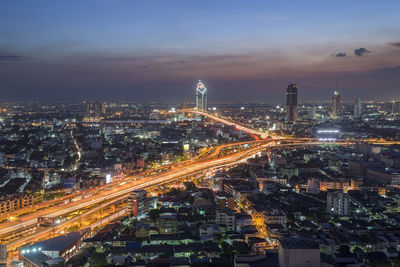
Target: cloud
[(341, 54), (396, 44), (6, 59), (11, 57), (361, 51)]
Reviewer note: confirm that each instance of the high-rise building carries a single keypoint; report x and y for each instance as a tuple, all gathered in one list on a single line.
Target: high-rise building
[(338, 203), (312, 114), (201, 96), (138, 203), (291, 103), (335, 104), (3, 255), (396, 107), (98, 108), (357, 108), (94, 111)]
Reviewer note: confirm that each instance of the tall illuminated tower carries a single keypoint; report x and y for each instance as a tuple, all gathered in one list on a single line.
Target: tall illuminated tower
[(291, 103), (335, 104), (201, 96)]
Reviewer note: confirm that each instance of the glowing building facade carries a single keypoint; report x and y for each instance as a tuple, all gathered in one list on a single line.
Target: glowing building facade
[(201, 96), (291, 103), (335, 104)]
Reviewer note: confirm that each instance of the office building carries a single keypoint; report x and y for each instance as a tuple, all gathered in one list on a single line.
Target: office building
[(291, 103), (384, 176), (335, 104), (167, 223), (357, 108), (138, 203), (396, 107), (94, 111), (201, 96), (338, 203), (312, 114), (54, 251)]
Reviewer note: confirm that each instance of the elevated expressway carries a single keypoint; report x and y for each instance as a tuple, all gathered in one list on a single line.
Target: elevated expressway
[(114, 193), (227, 122), (121, 190), (118, 191)]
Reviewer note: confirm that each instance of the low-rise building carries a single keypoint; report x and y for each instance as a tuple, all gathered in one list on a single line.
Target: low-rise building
[(298, 252), (208, 230), (338, 203), (226, 217), (241, 220), (274, 216), (383, 176)]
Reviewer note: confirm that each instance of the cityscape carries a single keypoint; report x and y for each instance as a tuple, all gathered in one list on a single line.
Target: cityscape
[(204, 150)]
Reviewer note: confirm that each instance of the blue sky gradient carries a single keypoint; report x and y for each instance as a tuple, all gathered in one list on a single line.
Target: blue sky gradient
[(157, 50)]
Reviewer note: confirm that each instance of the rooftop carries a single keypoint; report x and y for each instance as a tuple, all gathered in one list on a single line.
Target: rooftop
[(298, 243)]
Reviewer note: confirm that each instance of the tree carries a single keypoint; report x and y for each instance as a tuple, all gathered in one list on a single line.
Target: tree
[(154, 214), (98, 259), (173, 192), (344, 250), (294, 180), (73, 228), (190, 186)]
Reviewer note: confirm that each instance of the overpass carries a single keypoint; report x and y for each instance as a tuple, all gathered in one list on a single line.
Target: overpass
[(248, 130), (119, 190)]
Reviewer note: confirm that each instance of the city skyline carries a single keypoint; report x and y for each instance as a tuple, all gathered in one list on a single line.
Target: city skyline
[(155, 51), (208, 133)]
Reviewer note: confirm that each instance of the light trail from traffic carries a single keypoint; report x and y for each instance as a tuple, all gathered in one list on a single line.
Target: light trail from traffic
[(230, 123), (120, 189)]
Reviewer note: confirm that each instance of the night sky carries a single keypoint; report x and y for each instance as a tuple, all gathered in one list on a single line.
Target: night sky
[(157, 50)]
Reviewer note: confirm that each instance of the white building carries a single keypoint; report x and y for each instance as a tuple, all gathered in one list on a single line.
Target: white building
[(137, 203), (338, 203), (201, 96), (274, 216), (226, 217), (242, 220), (357, 108)]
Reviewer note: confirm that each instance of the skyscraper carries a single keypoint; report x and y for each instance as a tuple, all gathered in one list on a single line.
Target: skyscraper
[(291, 103), (335, 104), (138, 202), (357, 108), (201, 96), (396, 107), (312, 114)]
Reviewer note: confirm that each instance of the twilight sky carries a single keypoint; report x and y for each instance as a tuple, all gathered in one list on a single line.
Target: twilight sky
[(143, 50)]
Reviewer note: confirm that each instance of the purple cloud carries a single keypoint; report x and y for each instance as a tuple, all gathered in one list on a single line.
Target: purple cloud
[(341, 54), (361, 51)]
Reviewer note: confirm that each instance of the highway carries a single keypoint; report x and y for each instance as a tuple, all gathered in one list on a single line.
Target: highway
[(227, 122), (93, 200), (119, 192)]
